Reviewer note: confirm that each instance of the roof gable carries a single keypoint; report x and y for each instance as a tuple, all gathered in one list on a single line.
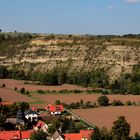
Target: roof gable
[(40, 124)]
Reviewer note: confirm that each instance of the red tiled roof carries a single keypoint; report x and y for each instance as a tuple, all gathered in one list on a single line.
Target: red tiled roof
[(86, 133), (33, 108), (79, 136), (53, 108), (5, 135), (14, 135), (40, 124), (26, 134), (72, 136)]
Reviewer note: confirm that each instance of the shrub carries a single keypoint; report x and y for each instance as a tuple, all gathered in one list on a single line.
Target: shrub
[(73, 106), (64, 91), (15, 88), (137, 135), (57, 102), (103, 101), (117, 103), (40, 91), (128, 103), (27, 92), (77, 91), (3, 85), (22, 90)]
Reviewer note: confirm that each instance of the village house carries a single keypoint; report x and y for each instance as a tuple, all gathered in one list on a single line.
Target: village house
[(55, 109), (57, 136), (31, 115), (83, 135), (20, 118), (15, 135), (41, 126)]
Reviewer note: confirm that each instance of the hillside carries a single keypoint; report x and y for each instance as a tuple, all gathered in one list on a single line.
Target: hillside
[(116, 54)]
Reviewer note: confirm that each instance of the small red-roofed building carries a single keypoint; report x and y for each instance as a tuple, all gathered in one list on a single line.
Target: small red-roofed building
[(41, 126), (34, 109), (55, 109), (15, 135), (83, 135)]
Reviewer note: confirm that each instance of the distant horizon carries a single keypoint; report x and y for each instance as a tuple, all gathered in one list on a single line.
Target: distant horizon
[(98, 17), (71, 34)]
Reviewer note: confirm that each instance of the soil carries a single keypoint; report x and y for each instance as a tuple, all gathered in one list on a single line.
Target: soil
[(105, 116)]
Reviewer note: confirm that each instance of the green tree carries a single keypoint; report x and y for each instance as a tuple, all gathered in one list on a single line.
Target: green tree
[(96, 135), (72, 128), (121, 129), (103, 101), (62, 76), (38, 135), (3, 85), (13, 109), (57, 102), (54, 126), (24, 105), (65, 125), (22, 90), (2, 120), (3, 72), (99, 78), (101, 134), (50, 78)]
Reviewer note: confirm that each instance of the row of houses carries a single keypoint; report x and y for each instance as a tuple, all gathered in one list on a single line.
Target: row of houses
[(25, 135), (83, 135), (31, 115)]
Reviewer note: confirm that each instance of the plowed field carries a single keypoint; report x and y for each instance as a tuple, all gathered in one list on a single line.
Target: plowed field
[(10, 83), (104, 116), (11, 95), (73, 98)]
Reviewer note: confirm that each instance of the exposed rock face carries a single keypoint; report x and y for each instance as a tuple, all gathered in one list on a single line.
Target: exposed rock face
[(44, 54)]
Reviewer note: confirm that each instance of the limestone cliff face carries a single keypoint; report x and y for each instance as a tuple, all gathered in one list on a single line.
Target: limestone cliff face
[(43, 54)]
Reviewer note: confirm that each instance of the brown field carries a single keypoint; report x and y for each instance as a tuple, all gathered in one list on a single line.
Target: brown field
[(104, 116), (73, 98), (10, 83), (11, 95)]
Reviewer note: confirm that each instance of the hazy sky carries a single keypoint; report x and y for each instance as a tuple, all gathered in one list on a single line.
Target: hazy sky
[(71, 16)]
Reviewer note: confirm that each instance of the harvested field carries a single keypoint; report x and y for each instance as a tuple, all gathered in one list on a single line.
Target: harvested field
[(11, 95), (10, 83), (73, 98), (104, 117)]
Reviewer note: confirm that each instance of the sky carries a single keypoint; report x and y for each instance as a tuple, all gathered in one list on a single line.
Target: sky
[(71, 16)]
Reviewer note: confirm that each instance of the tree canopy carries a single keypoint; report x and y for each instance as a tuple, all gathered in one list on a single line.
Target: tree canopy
[(121, 129)]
